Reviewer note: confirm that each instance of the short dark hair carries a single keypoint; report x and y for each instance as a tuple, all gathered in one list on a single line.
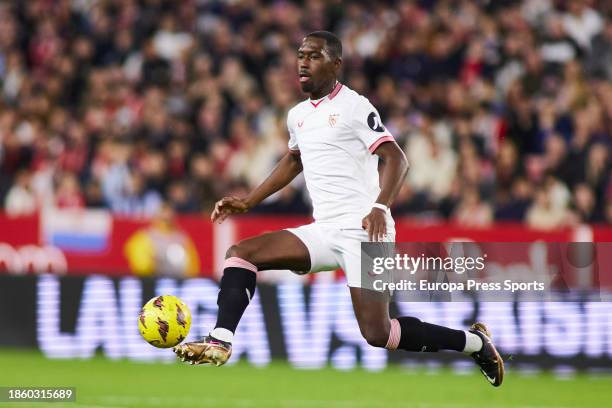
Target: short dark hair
[(332, 42)]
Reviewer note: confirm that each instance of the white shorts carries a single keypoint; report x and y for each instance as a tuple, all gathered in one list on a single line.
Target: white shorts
[(332, 247)]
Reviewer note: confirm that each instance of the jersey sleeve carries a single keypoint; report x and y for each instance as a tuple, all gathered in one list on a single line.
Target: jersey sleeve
[(292, 143), (368, 126)]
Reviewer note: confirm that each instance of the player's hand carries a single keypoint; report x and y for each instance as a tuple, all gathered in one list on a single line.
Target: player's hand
[(376, 225), (227, 206)]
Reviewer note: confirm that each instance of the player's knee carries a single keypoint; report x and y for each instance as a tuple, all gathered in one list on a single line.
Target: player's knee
[(244, 252), (374, 335), (238, 251)]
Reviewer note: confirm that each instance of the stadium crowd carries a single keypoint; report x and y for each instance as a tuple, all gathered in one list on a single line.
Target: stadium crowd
[(504, 108)]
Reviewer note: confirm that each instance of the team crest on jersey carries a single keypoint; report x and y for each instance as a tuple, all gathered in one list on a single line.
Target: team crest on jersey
[(333, 119)]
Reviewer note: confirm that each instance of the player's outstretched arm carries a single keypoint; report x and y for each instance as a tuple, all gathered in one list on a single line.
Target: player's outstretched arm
[(392, 174), (285, 171)]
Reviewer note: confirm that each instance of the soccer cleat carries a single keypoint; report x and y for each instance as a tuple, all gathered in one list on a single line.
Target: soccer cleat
[(206, 351), (488, 359)]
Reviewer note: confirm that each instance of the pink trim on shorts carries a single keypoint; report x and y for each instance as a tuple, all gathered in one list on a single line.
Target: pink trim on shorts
[(394, 335), (379, 141), (235, 262)]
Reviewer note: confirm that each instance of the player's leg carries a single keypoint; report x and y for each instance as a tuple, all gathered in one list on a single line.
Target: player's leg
[(275, 250), (411, 334), (407, 332), (372, 313)]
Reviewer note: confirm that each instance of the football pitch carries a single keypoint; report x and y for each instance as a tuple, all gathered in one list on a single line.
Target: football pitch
[(102, 383)]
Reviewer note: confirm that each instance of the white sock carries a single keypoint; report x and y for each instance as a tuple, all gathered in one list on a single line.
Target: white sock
[(473, 343), (224, 335)]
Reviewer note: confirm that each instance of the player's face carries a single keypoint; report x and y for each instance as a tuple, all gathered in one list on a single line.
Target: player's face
[(316, 67)]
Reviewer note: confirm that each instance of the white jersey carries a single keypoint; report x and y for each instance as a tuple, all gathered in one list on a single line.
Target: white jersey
[(335, 137)]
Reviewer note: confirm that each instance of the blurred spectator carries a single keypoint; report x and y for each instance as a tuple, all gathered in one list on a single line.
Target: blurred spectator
[(288, 201), (180, 198), (609, 212), (584, 202), (549, 208), (68, 193), (581, 22), (121, 105), (433, 162), (93, 195), (471, 211), (20, 199), (558, 47), (513, 206), (135, 197), (599, 61), (169, 42), (162, 249)]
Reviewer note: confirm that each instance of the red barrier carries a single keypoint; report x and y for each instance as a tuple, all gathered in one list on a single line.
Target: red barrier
[(410, 231), (19, 231), (113, 261), (24, 245)]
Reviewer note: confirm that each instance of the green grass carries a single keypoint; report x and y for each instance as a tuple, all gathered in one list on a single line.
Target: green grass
[(101, 383)]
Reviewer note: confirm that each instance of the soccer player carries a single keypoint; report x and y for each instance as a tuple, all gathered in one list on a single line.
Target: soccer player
[(336, 137)]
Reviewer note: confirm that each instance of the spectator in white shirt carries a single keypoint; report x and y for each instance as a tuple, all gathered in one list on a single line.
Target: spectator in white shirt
[(582, 23), (20, 199)]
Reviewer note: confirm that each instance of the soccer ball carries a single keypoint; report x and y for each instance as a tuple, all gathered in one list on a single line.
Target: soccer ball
[(164, 321)]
